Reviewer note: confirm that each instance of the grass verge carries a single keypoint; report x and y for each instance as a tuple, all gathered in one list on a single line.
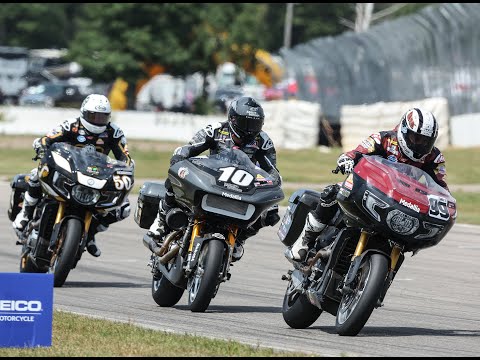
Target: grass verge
[(80, 336)]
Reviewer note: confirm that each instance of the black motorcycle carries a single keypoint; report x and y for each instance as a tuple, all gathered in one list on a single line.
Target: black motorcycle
[(218, 196), (385, 210), (76, 184)]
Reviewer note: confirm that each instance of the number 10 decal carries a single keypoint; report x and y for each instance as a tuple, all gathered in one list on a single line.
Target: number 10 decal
[(438, 207), (235, 176)]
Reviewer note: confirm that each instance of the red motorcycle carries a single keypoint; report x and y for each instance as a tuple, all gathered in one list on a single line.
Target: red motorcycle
[(385, 210)]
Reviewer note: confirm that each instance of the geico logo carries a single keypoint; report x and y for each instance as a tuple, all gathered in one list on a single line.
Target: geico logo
[(20, 305)]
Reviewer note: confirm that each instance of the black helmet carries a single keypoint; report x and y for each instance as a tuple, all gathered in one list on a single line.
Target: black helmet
[(245, 117)]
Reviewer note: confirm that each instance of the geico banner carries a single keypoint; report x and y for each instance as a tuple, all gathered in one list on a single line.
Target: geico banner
[(26, 309)]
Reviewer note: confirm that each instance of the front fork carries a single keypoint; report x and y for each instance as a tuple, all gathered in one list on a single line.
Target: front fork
[(356, 261), (56, 242), (230, 240)]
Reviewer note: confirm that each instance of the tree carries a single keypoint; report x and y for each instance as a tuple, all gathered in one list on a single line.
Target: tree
[(36, 25)]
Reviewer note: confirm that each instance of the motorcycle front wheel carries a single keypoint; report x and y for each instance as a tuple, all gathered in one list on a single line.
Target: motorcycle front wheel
[(298, 312), (69, 242), (356, 307), (202, 285)]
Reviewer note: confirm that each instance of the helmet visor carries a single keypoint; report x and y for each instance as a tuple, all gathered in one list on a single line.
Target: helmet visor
[(95, 118), (249, 125), (418, 143)]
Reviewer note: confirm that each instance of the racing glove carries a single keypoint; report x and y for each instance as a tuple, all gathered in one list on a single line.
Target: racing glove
[(175, 159), (271, 217), (39, 148), (345, 164)]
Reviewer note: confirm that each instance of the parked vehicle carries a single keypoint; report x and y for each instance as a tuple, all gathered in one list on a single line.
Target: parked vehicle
[(224, 96), (217, 195), (386, 209), (14, 62), (76, 183), (52, 94)]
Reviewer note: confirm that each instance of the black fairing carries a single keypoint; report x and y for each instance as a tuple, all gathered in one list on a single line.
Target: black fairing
[(89, 168), (234, 186)]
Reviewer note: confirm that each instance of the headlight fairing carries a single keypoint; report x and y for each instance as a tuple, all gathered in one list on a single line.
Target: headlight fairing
[(85, 195)]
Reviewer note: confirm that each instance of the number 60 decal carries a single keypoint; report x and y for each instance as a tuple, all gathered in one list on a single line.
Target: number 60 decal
[(122, 182), (438, 207)]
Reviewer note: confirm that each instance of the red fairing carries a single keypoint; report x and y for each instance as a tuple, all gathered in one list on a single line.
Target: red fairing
[(396, 185)]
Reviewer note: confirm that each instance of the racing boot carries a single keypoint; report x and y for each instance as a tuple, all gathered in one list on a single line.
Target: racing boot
[(92, 246), (154, 237), (313, 228), (26, 214), (238, 250)]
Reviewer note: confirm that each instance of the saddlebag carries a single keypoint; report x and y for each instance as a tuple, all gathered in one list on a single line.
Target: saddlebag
[(147, 204), (293, 222), (19, 185)]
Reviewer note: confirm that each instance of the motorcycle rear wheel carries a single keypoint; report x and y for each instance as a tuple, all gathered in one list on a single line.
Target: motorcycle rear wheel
[(27, 265), (164, 292), (355, 308), (202, 286), (72, 234), (298, 312)]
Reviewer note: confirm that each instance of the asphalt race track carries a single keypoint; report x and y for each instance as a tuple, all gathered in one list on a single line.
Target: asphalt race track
[(431, 309)]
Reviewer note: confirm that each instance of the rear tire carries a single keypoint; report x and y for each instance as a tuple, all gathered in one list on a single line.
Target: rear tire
[(298, 312), (165, 293), (27, 265), (65, 259)]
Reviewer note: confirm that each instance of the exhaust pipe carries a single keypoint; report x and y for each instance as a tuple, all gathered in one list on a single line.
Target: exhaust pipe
[(151, 244), (160, 250)]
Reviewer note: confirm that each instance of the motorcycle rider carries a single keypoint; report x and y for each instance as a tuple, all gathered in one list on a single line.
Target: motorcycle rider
[(410, 142), (242, 130), (91, 128)]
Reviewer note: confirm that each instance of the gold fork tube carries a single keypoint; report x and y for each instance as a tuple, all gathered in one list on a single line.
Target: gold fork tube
[(362, 244), (395, 255), (88, 221), (232, 235), (197, 227), (60, 212)]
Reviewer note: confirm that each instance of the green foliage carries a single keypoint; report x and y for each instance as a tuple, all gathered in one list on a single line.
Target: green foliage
[(36, 25), (113, 40)]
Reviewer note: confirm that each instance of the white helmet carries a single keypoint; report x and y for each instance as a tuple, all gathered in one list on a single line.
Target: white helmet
[(417, 133), (95, 113)]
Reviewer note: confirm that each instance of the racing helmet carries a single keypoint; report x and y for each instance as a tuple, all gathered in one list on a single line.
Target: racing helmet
[(95, 113), (417, 133), (245, 118)]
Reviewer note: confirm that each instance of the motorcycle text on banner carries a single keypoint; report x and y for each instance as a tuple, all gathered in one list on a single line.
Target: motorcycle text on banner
[(218, 196), (385, 210), (77, 183)]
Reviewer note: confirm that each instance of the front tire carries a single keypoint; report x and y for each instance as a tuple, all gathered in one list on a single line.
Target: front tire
[(202, 286), (71, 233), (298, 312), (356, 307)]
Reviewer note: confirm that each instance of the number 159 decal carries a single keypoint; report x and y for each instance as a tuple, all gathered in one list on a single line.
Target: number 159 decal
[(438, 207)]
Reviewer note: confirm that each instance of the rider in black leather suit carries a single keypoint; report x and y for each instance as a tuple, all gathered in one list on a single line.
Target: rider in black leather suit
[(242, 130)]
